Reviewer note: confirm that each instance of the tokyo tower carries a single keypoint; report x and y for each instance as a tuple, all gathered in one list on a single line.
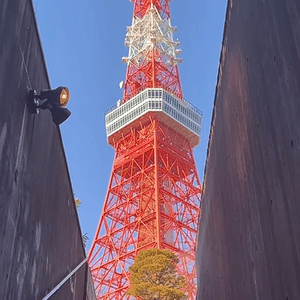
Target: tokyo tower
[(153, 197)]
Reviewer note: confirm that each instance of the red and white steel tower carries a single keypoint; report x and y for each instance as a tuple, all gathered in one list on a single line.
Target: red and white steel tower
[(153, 197)]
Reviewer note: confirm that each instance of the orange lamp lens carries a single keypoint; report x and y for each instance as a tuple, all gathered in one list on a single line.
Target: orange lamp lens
[(64, 97)]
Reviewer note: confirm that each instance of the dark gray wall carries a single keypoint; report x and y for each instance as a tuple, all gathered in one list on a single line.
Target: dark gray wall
[(40, 238), (249, 233)]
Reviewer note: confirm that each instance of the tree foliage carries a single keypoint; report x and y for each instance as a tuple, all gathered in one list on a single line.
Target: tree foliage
[(85, 237), (77, 202), (153, 276)]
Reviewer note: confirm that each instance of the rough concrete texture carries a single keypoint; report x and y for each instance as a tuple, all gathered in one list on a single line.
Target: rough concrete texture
[(249, 233), (40, 238)]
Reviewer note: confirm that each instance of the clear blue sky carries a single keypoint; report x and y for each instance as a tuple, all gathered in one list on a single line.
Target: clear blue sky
[(83, 43)]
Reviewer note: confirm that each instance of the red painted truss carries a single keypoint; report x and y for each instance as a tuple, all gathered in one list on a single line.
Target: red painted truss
[(141, 7), (152, 72), (153, 200)]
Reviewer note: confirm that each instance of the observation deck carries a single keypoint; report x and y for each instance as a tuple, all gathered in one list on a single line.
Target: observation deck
[(179, 114)]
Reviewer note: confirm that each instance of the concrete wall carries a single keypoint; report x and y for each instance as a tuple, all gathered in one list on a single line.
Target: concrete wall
[(40, 238), (249, 233)]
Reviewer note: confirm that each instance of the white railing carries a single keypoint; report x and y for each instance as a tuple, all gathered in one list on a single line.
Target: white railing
[(154, 100)]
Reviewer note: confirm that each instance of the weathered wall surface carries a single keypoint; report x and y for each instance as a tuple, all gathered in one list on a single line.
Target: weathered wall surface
[(40, 238), (249, 233)]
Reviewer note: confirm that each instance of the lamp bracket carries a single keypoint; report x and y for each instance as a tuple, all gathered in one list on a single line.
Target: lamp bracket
[(32, 102)]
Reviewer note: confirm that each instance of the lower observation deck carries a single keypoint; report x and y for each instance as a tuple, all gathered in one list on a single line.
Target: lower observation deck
[(176, 113)]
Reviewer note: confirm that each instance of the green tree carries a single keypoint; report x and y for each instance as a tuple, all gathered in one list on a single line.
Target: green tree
[(153, 276)]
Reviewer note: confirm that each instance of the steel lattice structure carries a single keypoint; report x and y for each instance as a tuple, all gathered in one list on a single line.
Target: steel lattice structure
[(152, 60), (153, 197)]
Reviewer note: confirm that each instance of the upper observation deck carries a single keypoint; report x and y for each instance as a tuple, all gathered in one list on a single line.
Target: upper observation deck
[(179, 114)]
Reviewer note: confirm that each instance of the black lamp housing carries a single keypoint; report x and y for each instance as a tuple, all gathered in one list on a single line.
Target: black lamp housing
[(54, 100)]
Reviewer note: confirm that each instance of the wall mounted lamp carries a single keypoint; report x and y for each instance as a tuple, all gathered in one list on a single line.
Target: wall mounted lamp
[(54, 100)]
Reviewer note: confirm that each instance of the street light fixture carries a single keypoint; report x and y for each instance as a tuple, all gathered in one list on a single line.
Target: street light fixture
[(54, 100)]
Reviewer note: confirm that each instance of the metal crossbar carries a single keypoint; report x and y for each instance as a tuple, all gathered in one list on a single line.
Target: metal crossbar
[(64, 280)]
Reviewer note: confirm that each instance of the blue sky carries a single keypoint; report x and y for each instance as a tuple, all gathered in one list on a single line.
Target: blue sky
[(83, 43)]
